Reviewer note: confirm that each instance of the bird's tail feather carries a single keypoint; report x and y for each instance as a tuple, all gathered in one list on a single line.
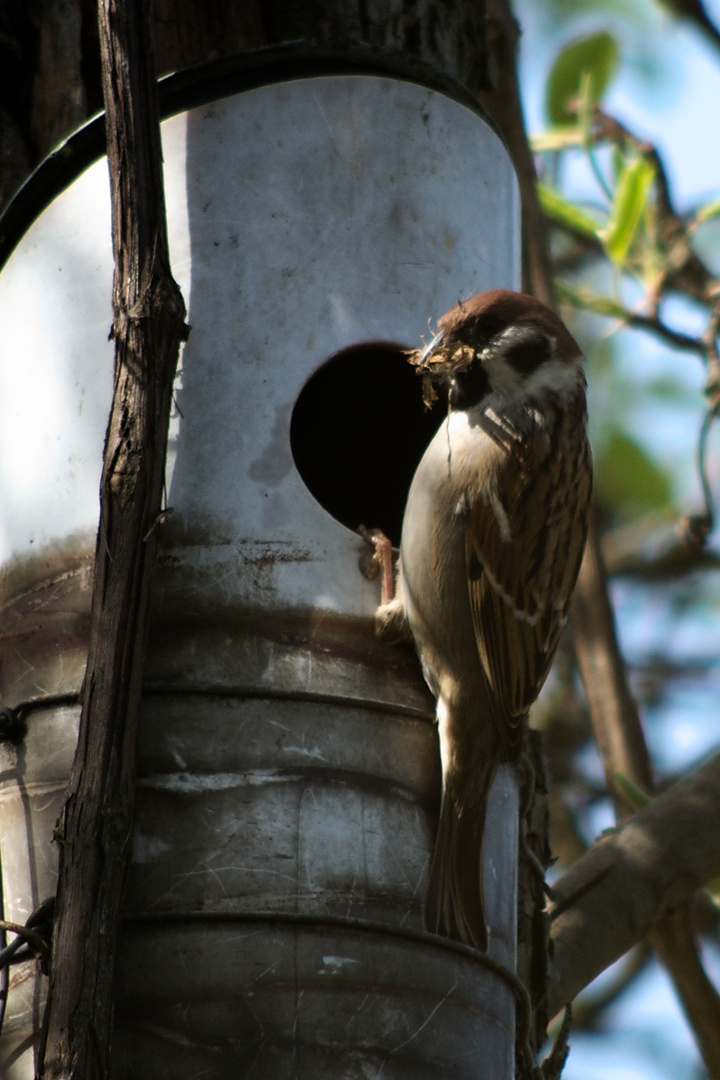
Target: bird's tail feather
[(455, 901)]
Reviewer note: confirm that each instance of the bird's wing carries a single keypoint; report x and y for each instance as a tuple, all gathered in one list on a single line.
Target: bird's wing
[(523, 554)]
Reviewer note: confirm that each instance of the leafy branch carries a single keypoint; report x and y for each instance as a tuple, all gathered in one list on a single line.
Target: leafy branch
[(634, 229)]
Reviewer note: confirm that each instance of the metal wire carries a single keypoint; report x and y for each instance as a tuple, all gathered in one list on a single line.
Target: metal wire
[(12, 719), (8, 952), (39, 947)]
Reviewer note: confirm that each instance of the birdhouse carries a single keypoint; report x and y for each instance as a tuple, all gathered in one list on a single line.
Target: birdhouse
[(288, 778)]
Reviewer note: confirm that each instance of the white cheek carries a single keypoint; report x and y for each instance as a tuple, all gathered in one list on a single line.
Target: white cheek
[(561, 378)]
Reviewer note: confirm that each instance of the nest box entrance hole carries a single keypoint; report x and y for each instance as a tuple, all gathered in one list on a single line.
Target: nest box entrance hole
[(358, 430)]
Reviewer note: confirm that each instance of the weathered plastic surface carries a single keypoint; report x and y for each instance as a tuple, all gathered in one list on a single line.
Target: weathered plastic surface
[(318, 1002), (288, 761)]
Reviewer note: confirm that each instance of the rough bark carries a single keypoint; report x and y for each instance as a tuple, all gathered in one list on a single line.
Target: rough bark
[(445, 33), (148, 326), (50, 76), (58, 103)]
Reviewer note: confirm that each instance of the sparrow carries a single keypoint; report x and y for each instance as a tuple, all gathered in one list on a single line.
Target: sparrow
[(492, 537)]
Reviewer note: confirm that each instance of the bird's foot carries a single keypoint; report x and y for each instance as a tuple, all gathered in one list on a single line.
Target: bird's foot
[(379, 559), (391, 623)]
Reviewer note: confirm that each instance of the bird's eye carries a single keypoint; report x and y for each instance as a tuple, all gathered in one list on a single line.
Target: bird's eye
[(489, 326)]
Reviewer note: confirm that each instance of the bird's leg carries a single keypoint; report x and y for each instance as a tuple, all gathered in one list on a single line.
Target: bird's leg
[(380, 561), (390, 619)]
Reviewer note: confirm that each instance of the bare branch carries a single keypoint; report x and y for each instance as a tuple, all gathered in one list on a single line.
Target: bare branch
[(587, 1009), (608, 900), (675, 946), (612, 707), (602, 305), (653, 549), (694, 11)]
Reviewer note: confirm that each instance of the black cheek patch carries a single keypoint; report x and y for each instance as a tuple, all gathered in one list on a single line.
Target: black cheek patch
[(469, 387), (526, 355)]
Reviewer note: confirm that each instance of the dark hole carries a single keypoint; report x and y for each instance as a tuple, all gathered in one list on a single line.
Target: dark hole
[(358, 430)]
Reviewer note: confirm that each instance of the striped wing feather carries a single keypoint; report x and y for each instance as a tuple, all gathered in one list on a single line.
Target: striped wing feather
[(523, 554)]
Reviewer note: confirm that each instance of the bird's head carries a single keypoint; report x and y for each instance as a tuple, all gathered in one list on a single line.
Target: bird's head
[(498, 342)]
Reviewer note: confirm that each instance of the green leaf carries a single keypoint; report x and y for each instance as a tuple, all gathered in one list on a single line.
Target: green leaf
[(626, 479), (617, 162), (595, 55), (558, 138), (632, 792), (565, 213), (631, 196)]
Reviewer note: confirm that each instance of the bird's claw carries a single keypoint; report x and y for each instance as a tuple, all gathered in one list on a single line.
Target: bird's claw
[(379, 558)]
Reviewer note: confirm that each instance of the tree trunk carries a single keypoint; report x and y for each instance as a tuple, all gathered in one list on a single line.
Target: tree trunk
[(148, 326)]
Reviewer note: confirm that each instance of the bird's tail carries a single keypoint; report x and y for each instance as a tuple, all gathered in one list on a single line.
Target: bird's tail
[(455, 901)]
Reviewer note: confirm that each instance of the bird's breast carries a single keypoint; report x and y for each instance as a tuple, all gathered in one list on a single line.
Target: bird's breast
[(433, 574)]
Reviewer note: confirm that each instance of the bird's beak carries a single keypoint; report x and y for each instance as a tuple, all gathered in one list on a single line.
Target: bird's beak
[(430, 349)]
